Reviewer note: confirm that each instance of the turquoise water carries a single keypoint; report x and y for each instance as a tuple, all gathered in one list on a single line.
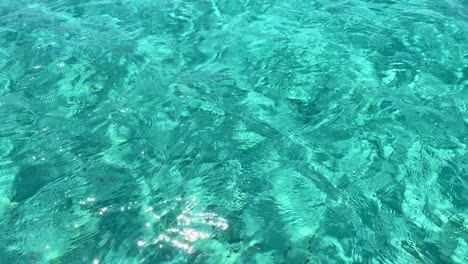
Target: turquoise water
[(233, 131)]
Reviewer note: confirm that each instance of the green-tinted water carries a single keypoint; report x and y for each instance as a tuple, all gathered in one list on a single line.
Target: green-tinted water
[(233, 131)]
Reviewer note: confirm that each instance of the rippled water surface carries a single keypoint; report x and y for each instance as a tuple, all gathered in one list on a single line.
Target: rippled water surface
[(233, 131)]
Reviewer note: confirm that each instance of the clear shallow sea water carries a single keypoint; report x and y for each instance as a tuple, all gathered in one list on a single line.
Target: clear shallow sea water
[(233, 131)]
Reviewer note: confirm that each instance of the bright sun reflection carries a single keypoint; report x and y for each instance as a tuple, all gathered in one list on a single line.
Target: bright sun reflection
[(189, 226), (183, 235)]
